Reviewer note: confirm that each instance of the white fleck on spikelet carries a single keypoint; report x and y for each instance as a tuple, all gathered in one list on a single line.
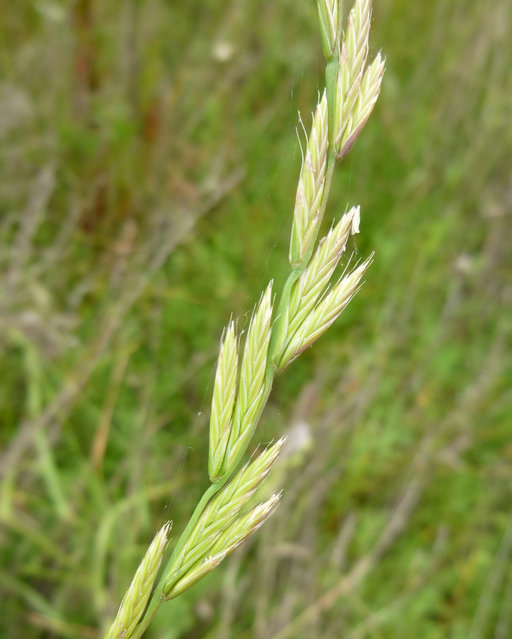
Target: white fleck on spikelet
[(356, 220), (137, 596)]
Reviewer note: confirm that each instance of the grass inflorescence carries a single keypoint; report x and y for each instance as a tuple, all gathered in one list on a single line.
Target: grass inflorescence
[(149, 169), (307, 306)]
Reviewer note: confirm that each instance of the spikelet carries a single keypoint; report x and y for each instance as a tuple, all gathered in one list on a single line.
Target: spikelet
[(366, 99), (324, 314), (329, 14), (251, 395), (226, 543), (314, 279), (310, 188), (357, 87), (137, 595), (224, 394), (221, 514)]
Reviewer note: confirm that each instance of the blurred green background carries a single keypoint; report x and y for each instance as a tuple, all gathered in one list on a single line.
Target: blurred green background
[(149, 160)]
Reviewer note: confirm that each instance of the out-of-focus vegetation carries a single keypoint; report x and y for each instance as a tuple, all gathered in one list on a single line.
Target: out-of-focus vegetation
[(148, 162)]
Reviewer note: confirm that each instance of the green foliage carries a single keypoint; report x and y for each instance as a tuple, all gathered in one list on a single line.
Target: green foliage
[(173, 165)]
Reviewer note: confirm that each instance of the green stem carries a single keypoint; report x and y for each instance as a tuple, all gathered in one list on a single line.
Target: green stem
[(331, 75), (331, 163)]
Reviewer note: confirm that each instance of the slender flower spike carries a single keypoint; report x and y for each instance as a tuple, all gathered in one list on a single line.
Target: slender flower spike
[(224, 394), (137, 596), (311, 187), (220, 515), (252, 389), (325, 313), (310, 302), (329, 14)]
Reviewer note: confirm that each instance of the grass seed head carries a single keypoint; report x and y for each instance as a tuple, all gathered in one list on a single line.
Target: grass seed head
[(309, 305)]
